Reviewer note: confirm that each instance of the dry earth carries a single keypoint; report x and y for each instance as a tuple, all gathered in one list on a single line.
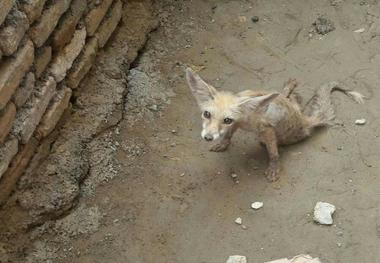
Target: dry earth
[(154, 192)]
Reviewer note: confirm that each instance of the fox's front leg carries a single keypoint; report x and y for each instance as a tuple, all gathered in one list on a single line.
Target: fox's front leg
[(225, 141), (268, 137)]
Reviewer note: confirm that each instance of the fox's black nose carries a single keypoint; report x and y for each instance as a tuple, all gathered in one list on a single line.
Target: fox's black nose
[(208, 137)]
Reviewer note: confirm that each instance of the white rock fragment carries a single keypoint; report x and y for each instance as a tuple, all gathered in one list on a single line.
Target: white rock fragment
[(323, 213), (360, 121), (297, 259), (236, 259), (257, 205), (238, 221), (360, 30)]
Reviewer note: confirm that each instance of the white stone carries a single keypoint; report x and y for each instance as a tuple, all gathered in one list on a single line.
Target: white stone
[(236, 259), (257, 205), (238, 221), (323, 213), (360, 30), (360, 121)]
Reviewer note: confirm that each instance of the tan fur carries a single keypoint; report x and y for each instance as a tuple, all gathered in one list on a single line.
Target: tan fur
[(276, 119)]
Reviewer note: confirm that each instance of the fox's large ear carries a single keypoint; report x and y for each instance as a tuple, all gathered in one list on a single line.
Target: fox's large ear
[(256, 103), (200, 89)]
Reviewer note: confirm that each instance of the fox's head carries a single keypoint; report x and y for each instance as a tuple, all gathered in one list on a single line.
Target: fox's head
[(222, 111)]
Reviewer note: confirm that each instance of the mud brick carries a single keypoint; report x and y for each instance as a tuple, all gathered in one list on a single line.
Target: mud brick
[(7, 151), (40, 32), (67, 24), (13, 31), (5, 7), (16, 169), (95, 16), (28, 117), (83, 63), (54, 112), (32, 8), (23, 92), (109, 24), (43, 57), (12, 70), (7, 117), (66, 56)]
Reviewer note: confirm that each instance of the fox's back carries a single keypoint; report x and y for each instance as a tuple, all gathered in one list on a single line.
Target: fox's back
[(285, 117)]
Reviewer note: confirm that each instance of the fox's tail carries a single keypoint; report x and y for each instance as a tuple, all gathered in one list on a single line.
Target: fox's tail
[(320, 108)]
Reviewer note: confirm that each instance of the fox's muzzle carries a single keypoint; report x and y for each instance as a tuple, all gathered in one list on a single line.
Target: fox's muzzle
[(208, 137)]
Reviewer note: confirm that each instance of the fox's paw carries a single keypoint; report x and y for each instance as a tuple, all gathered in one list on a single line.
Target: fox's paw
[(272, 173), (219, 147)]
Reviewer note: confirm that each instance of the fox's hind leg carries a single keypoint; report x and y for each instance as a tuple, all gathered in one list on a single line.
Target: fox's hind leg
[(288, 92), (289, 87)]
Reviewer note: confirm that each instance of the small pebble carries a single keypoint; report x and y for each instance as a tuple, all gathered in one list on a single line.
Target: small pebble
[(236, 259), (238, 221), (255, 19), (244, 227), (339, 244), (257, 205), (173, 131), (234, 176), (360, 30), (360, 121), (339, 148)]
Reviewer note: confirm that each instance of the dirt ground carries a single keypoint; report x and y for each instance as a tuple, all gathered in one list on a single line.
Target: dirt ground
[(158, 194)]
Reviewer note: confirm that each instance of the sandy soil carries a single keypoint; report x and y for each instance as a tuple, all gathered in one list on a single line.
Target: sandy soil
[(171, 200)]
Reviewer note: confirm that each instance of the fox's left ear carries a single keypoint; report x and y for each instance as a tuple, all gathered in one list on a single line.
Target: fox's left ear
[(255, 103), (200, 89)]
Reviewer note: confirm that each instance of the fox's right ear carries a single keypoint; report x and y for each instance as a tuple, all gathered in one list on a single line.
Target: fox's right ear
[(200, 89)]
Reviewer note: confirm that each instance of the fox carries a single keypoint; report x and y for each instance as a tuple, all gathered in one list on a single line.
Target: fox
[(276, 118)]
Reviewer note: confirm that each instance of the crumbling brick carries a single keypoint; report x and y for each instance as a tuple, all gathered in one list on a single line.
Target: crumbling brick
[(96, 15), (13, 31), (66, 56), (83, 63), (12, 70), (109, 24), (54, 112), (23, 92), (16, 169), (7, 116), (43, 57), (5, 7), (67, 24), (32, 8), (28, 117), (40, 32), (7, 151)]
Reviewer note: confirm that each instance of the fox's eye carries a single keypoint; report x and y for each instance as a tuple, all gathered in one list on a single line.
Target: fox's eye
[(207, 114), (228, 120)]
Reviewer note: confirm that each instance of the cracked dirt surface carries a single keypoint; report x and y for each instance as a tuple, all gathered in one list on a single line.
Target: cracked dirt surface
[(157, 195)]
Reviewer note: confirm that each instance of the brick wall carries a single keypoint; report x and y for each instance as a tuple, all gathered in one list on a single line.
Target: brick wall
[(46, 48)]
